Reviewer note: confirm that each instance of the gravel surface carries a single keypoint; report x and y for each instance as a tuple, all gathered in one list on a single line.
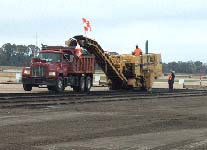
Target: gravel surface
[(174, 123)]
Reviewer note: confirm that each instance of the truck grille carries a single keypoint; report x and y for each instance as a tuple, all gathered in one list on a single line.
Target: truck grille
[(38, 71)]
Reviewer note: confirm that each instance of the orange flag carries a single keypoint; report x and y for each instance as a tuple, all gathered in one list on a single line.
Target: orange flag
[(87, 24)]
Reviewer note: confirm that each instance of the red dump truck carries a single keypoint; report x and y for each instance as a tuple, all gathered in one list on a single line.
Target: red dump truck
[(57, 67)]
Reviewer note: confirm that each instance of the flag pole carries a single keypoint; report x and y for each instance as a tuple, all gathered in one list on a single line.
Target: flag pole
[(84, 28)]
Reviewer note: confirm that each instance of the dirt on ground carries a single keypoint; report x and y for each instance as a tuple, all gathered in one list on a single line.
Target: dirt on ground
[(156, 124)]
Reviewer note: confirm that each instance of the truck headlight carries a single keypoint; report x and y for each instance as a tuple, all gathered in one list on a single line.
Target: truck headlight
[(52, 73), (26, 71)]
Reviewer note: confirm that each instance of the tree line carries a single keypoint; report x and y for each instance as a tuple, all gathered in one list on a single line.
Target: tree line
[(20, 55), (190, 67), (17, 55)]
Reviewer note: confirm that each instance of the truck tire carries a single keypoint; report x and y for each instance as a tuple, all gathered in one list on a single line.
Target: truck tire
[(59, 85), (27, 87), (82, 84), (88, 83)]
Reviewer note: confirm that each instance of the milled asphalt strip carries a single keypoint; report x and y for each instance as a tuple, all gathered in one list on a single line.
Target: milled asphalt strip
[(101, 95), (43, 103), (90, 97)]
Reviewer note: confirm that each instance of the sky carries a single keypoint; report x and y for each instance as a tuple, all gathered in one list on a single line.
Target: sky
[(175, 28)]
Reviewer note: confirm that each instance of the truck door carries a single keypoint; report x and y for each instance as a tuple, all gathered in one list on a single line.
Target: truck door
[(68, 60)]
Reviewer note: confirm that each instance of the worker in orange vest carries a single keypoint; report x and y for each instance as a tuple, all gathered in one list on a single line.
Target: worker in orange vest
[(171, 77), (78, 50), (137, 51)]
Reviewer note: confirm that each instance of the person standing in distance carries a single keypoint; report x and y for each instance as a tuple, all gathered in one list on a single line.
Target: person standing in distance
[(171, 77)]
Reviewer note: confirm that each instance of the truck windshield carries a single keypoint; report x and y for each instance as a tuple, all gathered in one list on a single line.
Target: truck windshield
[(50, 57)]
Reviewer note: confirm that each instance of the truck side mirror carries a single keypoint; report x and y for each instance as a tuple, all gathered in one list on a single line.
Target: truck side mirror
[(66, 58), (71, 58)]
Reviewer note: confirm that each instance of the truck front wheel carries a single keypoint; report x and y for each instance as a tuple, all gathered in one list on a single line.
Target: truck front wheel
[(59, 85), (27, 87)]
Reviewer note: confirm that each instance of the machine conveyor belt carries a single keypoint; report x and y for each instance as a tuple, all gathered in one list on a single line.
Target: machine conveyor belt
[(102, 59)]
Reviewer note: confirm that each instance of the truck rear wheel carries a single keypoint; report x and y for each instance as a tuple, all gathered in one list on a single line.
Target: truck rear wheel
[(27, 87), (82, 84), (88, 84), (59, 85)]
